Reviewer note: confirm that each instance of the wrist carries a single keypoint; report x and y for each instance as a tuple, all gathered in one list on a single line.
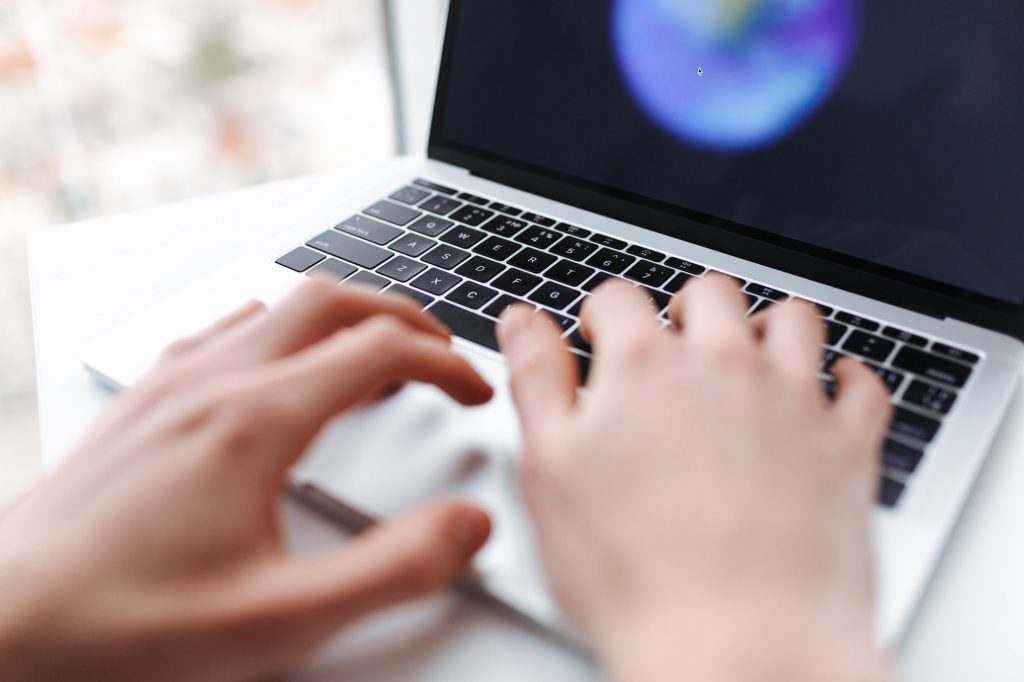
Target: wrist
[(713, 648)]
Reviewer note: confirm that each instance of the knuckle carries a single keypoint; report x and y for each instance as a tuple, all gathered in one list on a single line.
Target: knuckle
[(638, 347)]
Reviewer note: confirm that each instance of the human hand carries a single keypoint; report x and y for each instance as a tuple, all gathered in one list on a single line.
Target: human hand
[(702, 510), (155, 552)]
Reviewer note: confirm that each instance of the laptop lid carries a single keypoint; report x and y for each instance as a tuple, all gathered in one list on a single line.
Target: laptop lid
[(869, 145)]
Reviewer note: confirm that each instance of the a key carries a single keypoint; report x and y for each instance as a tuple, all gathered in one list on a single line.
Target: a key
[(686, 266), (410, 195), (440, 205), (497, 248), (930, 397), (857, 321), (332, 269), (470, 326), (517, 282), (302, 259), (350, 249), (498, 307), (464, 237), (914, 425), (431, 226), (413, 245), (368, 279), (480, 269), (539, 237), (869, 346), (474, 216), (418, 297), (503, 226), (436, 282), (573, 248), (554, 296), (645, 253), (472, 295), (532, 260), (570, 273), (611, 261), (651, 274), (932, 367), (393, 213), (369, 229), (610, 242), (445, 256), (401, 268), (901, 457)]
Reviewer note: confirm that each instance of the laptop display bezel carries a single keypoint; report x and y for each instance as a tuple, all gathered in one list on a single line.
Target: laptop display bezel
[(890, 285)]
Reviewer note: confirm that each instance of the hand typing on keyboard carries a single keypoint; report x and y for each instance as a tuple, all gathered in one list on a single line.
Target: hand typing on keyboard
[(702, 509), (155, 552)]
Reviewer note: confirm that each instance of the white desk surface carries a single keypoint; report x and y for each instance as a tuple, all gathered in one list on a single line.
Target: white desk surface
[(89, 276)]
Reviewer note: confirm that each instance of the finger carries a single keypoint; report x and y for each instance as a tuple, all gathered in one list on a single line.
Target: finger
[(412, 556), (862, 405), (615, 316), (793, 339), (318, 309), (712, 311), (358, 365), (247, 311), (543, 375)]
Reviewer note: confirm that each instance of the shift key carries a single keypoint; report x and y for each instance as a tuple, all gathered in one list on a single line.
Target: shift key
[(932, 367), (349, 249)]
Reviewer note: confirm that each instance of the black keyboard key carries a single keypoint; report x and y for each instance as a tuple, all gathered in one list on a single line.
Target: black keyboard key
[(472, 198), (435, 187), (611, 261), (857, 321), (762, 306), (497, 248), (767, 292), (904, 336), (413, 245), (436, 282), (301, 259), (368, 279), (333, 270), (869, 346), (573, 248), (583, 365), (440, 205), (677, 282), (932, 367), (505, 208), (445, 256), (751, 300), (564, 323), (533, 260), (576, 308), (569, 272), (890, 492), (393, 213), (470, 326), (369, 229), (599, 279), (498, 307), (554, 296), (504, 226), (540, 237), (645, 253), (472, 295), (464, 237), (892, 379), (651, 274), (480, 269), (577, 341), (930, 397), (610, 242), (828, 363), (418, 297), (686, 266), (431, 226), (823, 310), (410, 195), (401, 268), (573, 230), (659, 299), (836, 332), (914, 425), (350, 249), (955, 353), (473, 216), (543, 221), (517, 282), (901, 457)]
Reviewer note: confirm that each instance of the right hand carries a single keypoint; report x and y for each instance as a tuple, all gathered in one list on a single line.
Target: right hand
[(702, 510)]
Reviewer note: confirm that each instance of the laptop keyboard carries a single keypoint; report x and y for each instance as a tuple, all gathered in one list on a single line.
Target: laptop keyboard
[(466, 259)]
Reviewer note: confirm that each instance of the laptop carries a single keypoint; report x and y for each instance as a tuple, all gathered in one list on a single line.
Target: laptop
[(863, 157)]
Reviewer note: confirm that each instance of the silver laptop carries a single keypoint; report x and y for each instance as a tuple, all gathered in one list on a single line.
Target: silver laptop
[(864, 159)]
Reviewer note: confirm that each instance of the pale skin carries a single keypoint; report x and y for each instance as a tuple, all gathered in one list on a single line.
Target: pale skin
[(712, 526)]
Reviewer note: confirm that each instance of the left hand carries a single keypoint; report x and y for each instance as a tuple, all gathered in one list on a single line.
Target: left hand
[(156, 553)]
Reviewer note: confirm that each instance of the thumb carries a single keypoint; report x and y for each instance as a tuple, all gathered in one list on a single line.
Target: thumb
[(412, 556), (543, 374)]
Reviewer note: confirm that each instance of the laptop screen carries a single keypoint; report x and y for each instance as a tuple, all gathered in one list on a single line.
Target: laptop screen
[(891, 132)]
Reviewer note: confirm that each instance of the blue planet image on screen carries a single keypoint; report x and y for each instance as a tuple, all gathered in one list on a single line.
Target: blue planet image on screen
[(733, 75)]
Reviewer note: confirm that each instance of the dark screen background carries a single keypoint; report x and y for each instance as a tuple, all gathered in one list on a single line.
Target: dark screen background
[(914, 163)]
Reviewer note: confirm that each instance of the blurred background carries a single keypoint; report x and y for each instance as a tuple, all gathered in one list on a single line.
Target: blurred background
[(108, 106)]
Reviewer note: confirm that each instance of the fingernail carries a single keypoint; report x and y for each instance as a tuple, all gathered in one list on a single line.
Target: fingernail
[(514, 324)]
